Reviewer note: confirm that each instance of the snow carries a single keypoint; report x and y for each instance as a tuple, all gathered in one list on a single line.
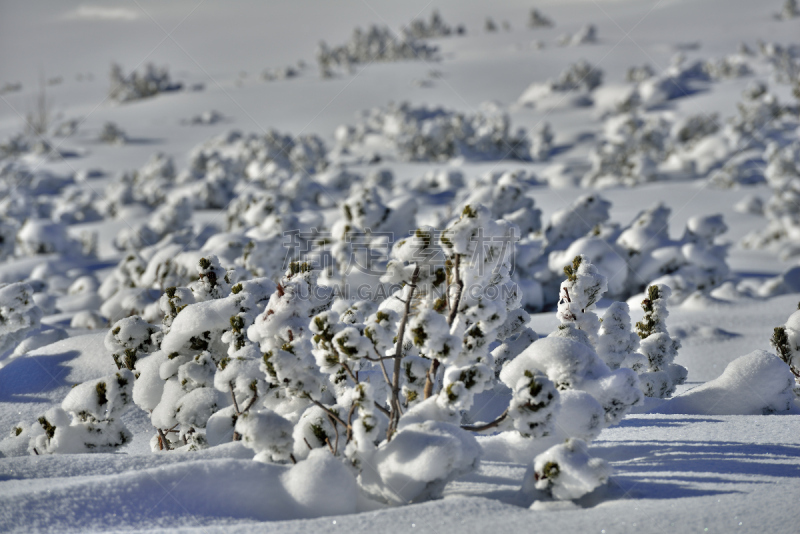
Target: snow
[(650, 150), (749, 385)]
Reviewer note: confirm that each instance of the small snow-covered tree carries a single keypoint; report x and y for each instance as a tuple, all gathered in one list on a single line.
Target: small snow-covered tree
[(579, 293), (19, 314), (129, 339), (786, 342), (662, 375), (565, 472), (88, 418), (616, 343)]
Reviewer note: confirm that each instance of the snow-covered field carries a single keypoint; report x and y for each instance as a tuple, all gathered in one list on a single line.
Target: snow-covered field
[(222, 277)]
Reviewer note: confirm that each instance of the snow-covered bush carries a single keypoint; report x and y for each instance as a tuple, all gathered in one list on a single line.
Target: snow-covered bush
[(19, 314), (40, 236), (632, 148), (425, 134), (790, 10), (565, 472), (373, 45), (435, 27), (205, 118), (586, 35), (86, 421), (506, 197), (275, 366), (112, 134), (782, 232), (137, 85), (573, 87), (169, 218), (734, 66), (660, 375), (786, 342), (538, 20)]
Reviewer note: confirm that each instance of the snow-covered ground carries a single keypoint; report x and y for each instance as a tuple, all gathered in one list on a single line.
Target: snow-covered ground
[(122, 194)]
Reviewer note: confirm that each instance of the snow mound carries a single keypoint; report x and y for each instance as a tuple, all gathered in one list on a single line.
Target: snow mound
[(160, 496), (419, 461), (757, 383)]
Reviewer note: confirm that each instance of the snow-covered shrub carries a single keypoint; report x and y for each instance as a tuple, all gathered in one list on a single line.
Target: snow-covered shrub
[(373, 45), (542, 142), (76, 204), (218, 165), (40, 236), (633, 147), (170, 218), (281, 73), (790, 10), (152, 182), (435, 27), (86, 421), (690, 129), (268, 434), (616, 343), (538, 20), (782, 232), (91, 320), (679, 80), (205, 118), (734, 66), (576, 220), (439, 181), (578, 81), (8, 237), (586, 35), (506, 197), (112, 134), (425, 134), (630, 257), (565, 472), (639, 74), (136, 85), (19, 315), (697, 262), (288, 369), (757, 118), (419, 461), (66, 128), (786, 342), (660, 374)]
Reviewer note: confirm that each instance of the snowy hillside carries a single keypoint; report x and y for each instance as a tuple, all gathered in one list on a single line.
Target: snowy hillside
[(447, 266)]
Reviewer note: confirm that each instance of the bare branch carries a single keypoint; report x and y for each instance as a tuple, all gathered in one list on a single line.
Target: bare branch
[(233, 396), (330, 412), (459, 289), (383, 409), (162, 440), (349, 372), (252, 402), (487, 426), (335, 448), (398, 356)]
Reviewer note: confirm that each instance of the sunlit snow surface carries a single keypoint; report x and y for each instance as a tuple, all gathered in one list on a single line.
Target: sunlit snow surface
[(672, 471)]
